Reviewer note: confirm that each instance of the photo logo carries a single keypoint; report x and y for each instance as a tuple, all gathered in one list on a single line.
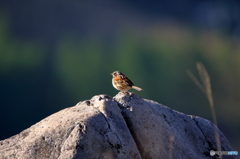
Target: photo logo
[(212, 153)]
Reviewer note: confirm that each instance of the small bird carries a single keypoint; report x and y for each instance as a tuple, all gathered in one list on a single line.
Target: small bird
[(122, 83)]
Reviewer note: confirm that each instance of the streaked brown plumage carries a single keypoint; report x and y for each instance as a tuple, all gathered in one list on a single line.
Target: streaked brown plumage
[(122, 83)]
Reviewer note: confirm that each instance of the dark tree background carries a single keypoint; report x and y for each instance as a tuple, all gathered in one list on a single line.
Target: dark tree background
[(54, 54)]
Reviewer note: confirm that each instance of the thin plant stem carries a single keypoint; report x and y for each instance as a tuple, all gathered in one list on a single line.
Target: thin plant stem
[(171, 140), (205, 87)]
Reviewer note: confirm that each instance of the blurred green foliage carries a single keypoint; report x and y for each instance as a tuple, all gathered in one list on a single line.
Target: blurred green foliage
[(16, 54), (36, 83)]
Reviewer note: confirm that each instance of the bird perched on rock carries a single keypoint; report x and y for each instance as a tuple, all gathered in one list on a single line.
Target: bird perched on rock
[(122, 83)]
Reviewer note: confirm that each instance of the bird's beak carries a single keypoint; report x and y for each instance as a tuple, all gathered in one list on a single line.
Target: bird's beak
[(111, 74)]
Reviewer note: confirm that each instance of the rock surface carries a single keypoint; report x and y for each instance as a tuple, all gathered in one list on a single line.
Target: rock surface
[(123, 127)]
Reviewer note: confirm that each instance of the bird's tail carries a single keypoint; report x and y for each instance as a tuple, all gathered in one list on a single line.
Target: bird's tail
[(137, 88)]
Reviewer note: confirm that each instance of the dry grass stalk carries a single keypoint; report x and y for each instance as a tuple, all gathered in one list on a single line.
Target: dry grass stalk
[(205, 87)]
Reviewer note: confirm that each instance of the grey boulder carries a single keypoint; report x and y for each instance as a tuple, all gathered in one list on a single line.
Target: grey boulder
[(123, 127)]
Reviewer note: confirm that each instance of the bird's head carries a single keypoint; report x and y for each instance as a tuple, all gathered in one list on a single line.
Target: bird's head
[(116, 73)]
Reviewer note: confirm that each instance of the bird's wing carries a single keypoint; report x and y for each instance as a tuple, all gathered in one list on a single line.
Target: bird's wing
[(126, 81)]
